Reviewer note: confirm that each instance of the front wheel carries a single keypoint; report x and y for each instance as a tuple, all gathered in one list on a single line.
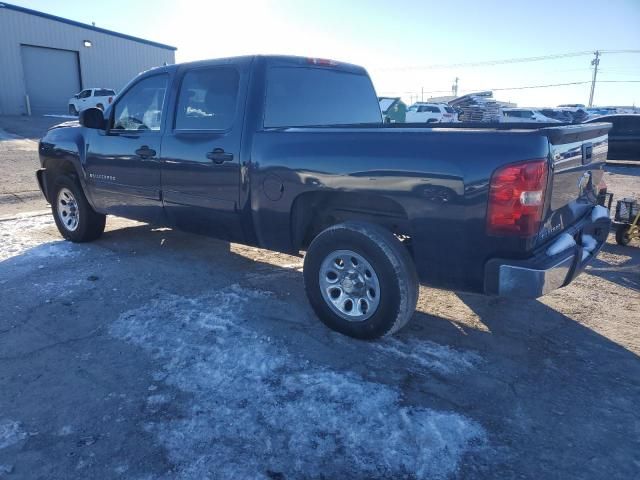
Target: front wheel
[(360, 280), (74, 217), (73, 111)]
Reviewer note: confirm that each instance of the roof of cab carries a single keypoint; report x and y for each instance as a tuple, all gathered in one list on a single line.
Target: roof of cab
[(272, 60)]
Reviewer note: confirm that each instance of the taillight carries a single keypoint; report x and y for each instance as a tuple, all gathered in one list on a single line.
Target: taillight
[(516, 199), (322, 61), (110, 99)]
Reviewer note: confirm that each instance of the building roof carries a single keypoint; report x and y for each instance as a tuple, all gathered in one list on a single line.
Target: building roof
[(55, 18)]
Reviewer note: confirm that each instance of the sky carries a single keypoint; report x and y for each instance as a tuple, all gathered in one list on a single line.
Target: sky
[(400, 42)]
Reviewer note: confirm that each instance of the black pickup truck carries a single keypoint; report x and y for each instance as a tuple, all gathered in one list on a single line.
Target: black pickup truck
[(291, 154)]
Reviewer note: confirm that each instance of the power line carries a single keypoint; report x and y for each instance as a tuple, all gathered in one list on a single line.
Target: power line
[(522, 87), (504, 61), (552, 85), (490, 62)]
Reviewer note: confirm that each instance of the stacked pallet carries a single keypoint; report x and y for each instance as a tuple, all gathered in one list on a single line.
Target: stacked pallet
[(477, 107)]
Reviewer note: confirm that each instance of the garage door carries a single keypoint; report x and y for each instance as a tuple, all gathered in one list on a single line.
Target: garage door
[(51, 76)]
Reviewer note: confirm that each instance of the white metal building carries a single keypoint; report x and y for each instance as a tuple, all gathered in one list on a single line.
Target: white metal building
[(45, 60)]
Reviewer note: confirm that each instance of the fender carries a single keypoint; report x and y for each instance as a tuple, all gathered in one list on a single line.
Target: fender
[(63, 150)]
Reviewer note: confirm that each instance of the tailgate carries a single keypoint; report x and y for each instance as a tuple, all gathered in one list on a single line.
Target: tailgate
[(577, 154)]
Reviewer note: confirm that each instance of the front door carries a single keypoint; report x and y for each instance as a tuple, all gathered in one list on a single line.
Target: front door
[(201, 151), (123, 162)]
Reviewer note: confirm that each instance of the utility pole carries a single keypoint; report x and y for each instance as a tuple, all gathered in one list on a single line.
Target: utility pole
[(595, 62), (454, 88), (422, 95)]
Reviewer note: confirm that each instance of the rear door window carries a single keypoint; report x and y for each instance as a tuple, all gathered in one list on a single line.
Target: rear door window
[(299, 96), (208, 98)]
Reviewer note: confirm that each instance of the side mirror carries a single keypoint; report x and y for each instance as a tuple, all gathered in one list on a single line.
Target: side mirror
[(92, 118)]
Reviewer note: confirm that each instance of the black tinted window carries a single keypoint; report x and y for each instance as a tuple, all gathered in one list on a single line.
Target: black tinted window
[(208, 99), (141, 106), (315, 96), (84, 94), (103, 92)]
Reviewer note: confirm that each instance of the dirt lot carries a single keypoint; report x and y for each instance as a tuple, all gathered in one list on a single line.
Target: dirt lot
[(156, 354)]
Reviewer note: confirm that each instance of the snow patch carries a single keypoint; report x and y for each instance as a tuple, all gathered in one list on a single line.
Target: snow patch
[(430, 356), (57, 115), (10, 142), (562, 243), (10, 433), (22, 234), (254, 407), (589, 243), (599, 212), (65, 431)]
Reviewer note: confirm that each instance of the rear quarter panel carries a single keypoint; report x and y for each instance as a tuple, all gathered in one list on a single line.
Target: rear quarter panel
[(439, 177)]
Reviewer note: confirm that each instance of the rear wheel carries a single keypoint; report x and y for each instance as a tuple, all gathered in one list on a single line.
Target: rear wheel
[(623, 234), (360, 280), (74, 217)]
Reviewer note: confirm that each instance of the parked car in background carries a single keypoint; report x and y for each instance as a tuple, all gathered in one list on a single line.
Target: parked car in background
[(91, 97), (559, 114), (525, 115), (431, 113), (594, 112), (290, 154), (577, 111), (624, 137), (393, 109)]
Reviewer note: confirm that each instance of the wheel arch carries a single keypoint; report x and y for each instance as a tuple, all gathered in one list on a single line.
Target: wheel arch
[(312, 212), (53, 168)]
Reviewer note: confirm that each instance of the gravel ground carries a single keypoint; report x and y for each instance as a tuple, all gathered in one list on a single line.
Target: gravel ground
[(154, 354)]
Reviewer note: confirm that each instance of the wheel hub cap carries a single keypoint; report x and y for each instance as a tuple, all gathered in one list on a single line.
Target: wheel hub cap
[(67, 209), (349, 285)]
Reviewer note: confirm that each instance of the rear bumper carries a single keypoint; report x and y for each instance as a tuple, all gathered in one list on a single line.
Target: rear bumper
[(547, 271)]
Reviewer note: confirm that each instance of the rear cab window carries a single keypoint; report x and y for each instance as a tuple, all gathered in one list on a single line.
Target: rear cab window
[(312, 96)]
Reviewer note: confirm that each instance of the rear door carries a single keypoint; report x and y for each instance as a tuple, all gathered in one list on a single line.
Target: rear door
[(201, 149)]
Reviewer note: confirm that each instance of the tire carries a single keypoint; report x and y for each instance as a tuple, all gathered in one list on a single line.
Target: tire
[(623, 235), (73, 110), (74, 217), (381, 262)]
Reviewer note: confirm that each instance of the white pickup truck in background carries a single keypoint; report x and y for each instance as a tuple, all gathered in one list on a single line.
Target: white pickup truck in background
[(431, 113), (91, 97), (525, 115)]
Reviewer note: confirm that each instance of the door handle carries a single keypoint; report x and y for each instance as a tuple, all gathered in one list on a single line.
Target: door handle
[(219, 156), (145, 152)]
